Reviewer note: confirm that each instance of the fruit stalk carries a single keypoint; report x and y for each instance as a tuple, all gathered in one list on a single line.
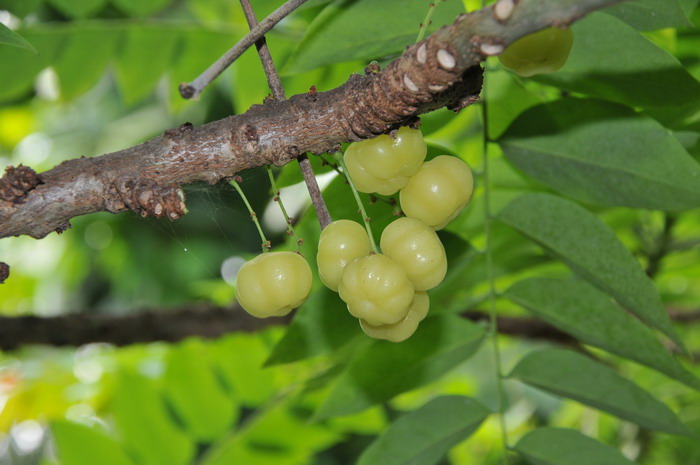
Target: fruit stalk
[(253, 216)]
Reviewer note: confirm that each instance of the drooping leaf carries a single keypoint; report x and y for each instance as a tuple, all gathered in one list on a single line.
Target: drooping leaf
[(569, 374), (195, 394), (146, 426), (78, 8), (613, 61), (85, 55), (559, 446), (647, 15), (424, 435), (141, 8), (323, 325), (603, 153), (365, 29), (280, 435), (143, 59), (79, 445), (592, 250), (591, 317), (244, 373), (385, 369), (20, 67), (11, 38)]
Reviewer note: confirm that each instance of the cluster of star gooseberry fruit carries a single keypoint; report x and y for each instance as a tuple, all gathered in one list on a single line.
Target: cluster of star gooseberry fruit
[(386, 291)]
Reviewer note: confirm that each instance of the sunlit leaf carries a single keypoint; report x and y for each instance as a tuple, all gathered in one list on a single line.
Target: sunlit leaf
[(145, 425), (78, 8), (195, 393), (424, 435), (570, 374), (79, 445), (592, 250)]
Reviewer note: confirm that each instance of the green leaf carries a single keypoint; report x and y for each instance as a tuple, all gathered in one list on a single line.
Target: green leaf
[(79, 445), (591, 317), (291, 173), (20, 8), (507, 98), (85, 55), (280, 435), (559, 446), (603, 153), (244, 373), (364, 29), (10, 37), (592, 250), (569, 374), (648, 15), (385, 369), (141, 8), (19, 68), (322, 325), (146, 426), (78, 8), (613, 61), (195, 394), (424, 435), (143, 59)]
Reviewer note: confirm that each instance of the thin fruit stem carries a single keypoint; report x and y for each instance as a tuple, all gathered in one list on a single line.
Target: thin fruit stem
[(253, 216), (277, 198), (426, 22), (493, 316), (338, 156)]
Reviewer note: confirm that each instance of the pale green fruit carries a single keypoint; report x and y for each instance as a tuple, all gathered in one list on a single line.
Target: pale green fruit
[(365, 182), (415, 245), (544, 51), (376, 289), (438, 192), (341, 242), (273, 283), (389, 157), (404, 328)]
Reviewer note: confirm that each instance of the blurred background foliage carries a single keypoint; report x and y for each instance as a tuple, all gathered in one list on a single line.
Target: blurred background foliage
[(105, 78)]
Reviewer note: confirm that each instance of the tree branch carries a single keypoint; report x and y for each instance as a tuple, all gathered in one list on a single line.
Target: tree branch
[(76, 329), (436, 72)]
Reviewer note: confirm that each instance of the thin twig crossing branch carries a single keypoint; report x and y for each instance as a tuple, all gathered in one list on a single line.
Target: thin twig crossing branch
[(193, 89)]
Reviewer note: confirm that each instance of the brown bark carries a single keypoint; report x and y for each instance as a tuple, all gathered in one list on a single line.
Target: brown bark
[(440, 71)]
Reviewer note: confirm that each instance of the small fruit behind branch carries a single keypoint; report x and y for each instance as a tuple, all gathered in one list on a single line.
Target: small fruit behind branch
[(273, 284), (544, 51), (438, 192)]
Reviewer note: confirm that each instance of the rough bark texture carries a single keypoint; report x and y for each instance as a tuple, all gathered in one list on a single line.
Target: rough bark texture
[(440, 71)]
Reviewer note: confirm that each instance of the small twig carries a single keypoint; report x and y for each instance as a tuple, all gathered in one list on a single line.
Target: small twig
[(275, 83), (426, 22), (194, 88)]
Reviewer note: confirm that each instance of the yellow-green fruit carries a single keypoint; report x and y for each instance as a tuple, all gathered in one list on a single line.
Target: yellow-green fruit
[(405, 328), (438, 192), (376, 289), (415, 245), (384, 164), (365, 182), (389, 157), (341, 242), (544, 51), (273, 283)]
